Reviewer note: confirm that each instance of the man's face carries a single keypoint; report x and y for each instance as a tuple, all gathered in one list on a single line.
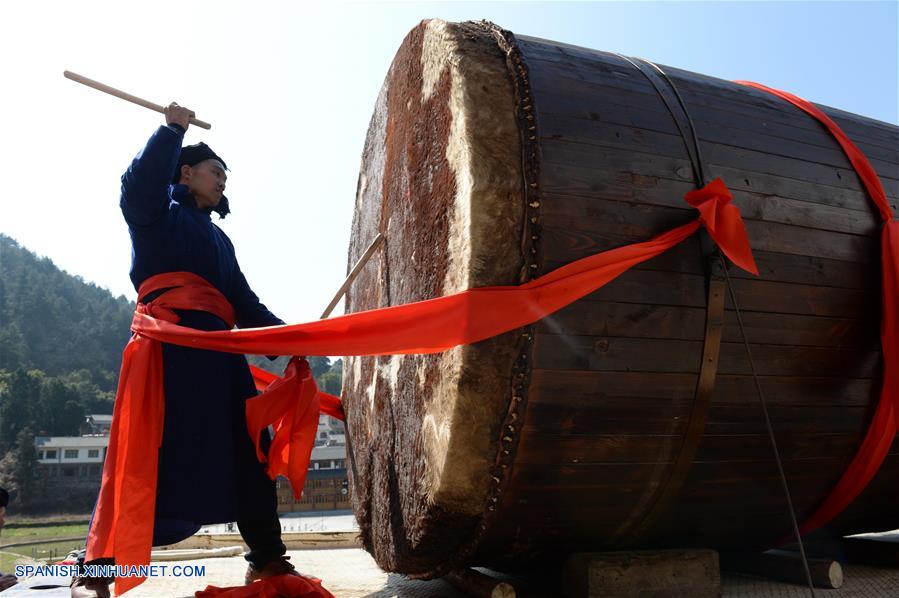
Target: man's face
[(206, 181)]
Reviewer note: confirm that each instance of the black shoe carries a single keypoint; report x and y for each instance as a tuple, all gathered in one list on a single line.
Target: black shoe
[(90, 587), (279, 566)]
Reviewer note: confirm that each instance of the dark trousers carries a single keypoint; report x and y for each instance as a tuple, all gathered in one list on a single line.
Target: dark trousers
[(208, 469), (263, 537), (257, 507), (257, 500)]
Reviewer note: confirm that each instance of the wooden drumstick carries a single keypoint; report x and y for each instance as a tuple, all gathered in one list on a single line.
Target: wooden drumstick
[(353, 273), (360, 263), (126, 96)]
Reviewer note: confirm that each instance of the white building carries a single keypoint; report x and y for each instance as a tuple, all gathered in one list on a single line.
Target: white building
[(80, 458), (330, 431), (329, 451), (328, 457), (76, 459)]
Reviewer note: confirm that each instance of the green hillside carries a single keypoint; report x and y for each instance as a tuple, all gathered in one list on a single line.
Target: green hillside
[(56, 322)]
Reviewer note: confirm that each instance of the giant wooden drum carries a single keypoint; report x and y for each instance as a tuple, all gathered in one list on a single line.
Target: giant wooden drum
[(492, 159)]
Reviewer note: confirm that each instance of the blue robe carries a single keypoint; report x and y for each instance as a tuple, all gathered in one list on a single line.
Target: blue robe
[(208, 472)]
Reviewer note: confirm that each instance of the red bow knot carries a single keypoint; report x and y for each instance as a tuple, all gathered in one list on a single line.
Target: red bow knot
[(723, 221)]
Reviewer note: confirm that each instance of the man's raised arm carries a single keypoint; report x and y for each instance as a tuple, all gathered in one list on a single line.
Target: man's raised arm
[(145, 184)]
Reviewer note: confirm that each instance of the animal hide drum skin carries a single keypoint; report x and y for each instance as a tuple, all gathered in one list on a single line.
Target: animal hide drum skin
[(492, 159)]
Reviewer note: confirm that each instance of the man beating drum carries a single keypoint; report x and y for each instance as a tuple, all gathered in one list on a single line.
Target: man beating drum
[(207, 470)]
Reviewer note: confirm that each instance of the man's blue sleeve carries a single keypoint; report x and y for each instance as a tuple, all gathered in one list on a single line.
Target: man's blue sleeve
[(145, 184), (250, 312)]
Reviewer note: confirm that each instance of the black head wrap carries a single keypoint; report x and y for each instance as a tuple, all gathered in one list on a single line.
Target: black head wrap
[(4, 497), (191, 155)]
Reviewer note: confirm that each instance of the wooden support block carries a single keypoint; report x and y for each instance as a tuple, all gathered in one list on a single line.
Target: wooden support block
[(786, 566), (477, 585), (645, 573)]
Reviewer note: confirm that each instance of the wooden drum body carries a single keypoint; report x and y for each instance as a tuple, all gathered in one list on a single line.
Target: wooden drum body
[(493, 159)]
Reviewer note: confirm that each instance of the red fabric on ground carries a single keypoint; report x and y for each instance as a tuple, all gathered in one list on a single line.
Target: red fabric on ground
[(281, 586)]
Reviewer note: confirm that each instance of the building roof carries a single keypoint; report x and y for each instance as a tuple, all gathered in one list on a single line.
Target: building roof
[(100, 418), (71, 441)]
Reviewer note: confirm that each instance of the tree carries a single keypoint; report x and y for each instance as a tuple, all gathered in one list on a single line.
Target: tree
[(88, 387), (56, 322), (332, 380), (319, 365), (60, 413), (12, 347), (19, 397), (25, 466), (8, 465)]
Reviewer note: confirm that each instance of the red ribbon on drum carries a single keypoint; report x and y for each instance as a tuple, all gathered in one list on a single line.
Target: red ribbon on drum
[(883, 427)]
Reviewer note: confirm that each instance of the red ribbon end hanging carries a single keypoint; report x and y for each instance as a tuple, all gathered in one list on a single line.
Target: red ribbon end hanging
[(723, 221)]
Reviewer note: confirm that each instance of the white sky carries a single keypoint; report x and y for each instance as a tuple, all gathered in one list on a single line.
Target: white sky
[(289, 88)]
